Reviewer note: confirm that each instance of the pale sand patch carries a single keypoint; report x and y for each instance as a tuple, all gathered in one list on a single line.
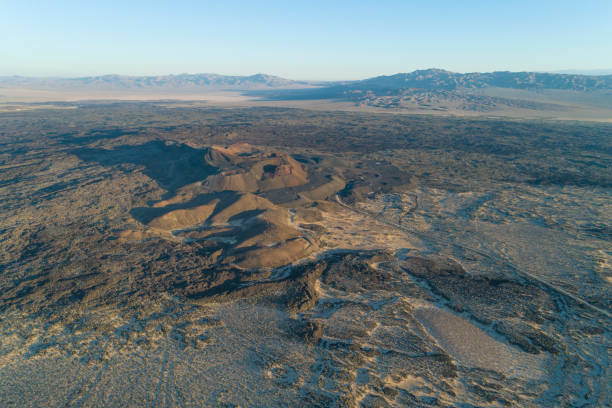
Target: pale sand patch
[(346, 229), (603, 262), (472, 347), (17, 94)]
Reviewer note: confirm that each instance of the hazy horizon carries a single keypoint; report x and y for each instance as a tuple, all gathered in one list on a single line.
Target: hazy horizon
[(591, 72), (310, 41)]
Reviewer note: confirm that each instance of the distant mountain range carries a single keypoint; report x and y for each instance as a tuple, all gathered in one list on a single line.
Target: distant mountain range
[(437, 90), (174, 82), (438, 79), (428, 79), (517, 94)]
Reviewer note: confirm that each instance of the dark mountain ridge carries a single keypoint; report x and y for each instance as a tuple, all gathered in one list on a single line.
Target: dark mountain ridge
[(438, 79), (440, 91)]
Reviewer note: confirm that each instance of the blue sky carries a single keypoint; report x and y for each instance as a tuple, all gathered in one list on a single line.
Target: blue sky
[(301, 39)]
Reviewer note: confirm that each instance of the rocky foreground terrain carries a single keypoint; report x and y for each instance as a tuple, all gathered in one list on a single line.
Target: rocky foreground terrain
[(157, 254)]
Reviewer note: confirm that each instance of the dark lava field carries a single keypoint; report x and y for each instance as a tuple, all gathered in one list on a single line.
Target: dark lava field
[(173, 254)]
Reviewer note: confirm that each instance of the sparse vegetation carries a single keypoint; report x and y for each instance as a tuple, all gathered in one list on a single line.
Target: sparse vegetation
[(205, 248)]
